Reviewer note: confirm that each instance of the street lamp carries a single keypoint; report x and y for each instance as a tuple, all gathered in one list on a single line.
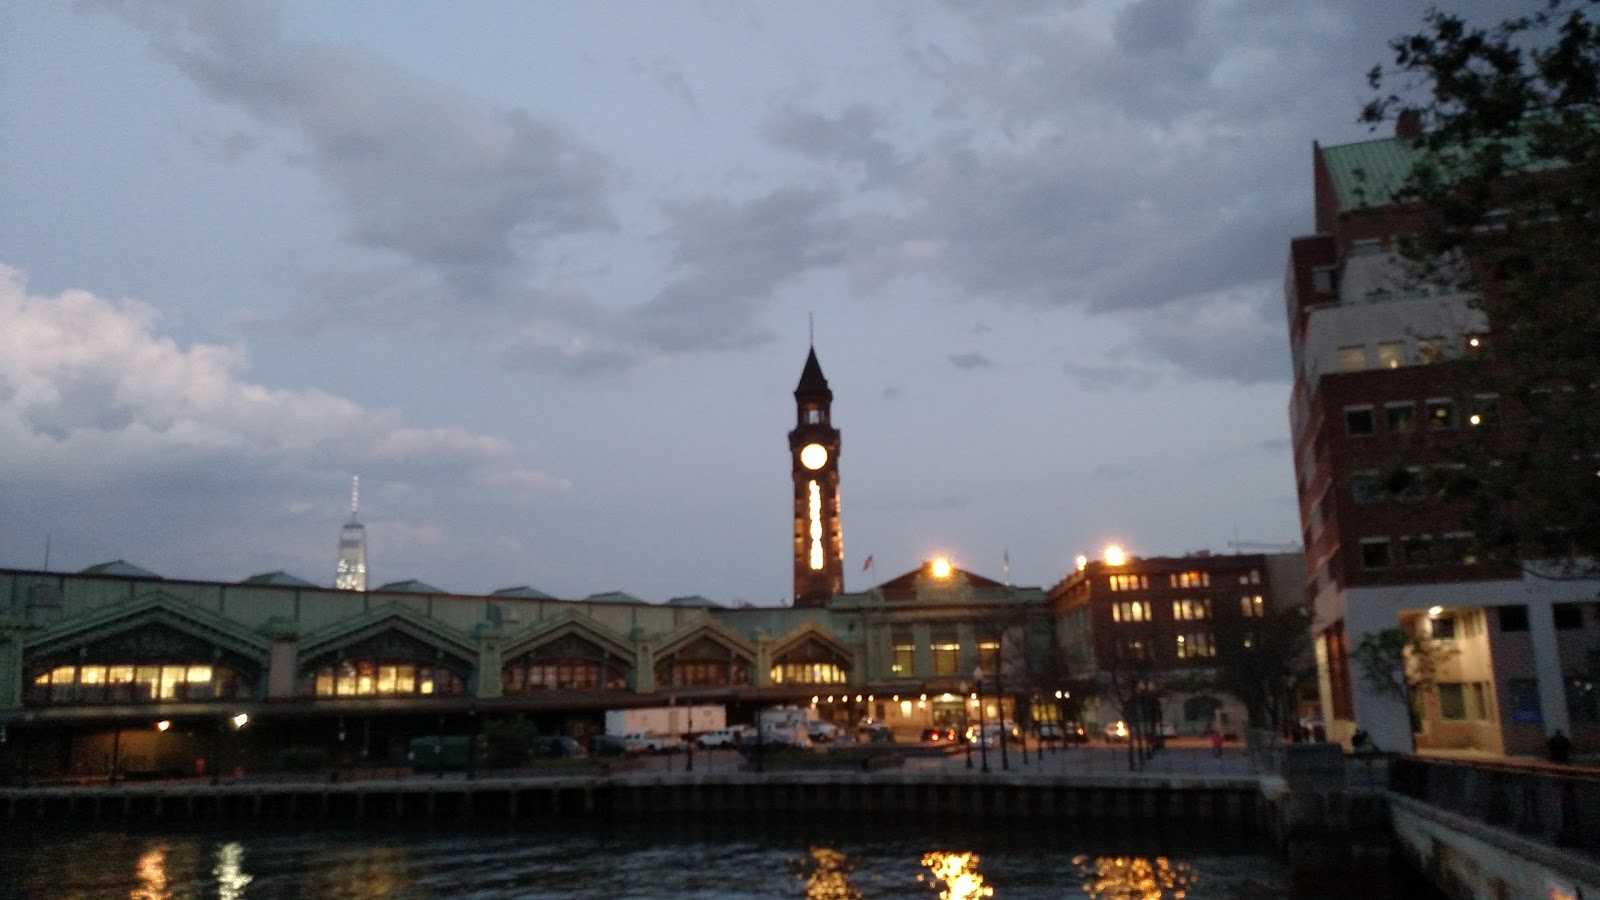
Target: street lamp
[(983, 725), (966, 727)]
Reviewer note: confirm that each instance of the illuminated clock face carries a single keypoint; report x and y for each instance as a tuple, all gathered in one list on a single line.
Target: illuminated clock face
[(813, 456)]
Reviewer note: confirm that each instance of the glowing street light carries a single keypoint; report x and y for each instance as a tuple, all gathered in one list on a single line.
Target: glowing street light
[(942, 567), (163, 725), (240, 720), (1114, 555), (1082, 561)]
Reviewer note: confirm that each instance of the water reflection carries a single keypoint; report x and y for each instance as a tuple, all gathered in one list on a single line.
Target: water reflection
[(229, 871), (959, 872), (828, 876), (1134, 878), (151, 870), (373, 871)]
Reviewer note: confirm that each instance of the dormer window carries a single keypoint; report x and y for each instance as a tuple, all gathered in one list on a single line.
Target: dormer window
[(813, 416)]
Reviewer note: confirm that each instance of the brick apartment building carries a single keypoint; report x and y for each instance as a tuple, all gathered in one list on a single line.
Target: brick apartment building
[(1378, 398)]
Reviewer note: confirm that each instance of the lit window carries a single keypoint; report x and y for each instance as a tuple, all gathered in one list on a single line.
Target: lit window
[(1196, 645), (1430, 350), (1191, 609), (1352, 359), (1131, 611), (1391, 354), (1441, 413), (1253, 606)]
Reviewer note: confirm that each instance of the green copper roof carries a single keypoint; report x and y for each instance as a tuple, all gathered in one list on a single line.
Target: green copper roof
[(523, 592), (1369, 173), (278, 579), (613, 597), (121, 569), (412, 586)]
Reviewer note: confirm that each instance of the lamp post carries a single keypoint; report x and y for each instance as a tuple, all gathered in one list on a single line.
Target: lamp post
[(983, 723), (966, 728)]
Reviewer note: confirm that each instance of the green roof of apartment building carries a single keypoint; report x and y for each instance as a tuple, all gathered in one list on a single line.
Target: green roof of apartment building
[(1370, 172)]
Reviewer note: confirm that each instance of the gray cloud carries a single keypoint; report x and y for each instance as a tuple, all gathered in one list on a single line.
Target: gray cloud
[(1105, 376), (970, 361), (852, 136)]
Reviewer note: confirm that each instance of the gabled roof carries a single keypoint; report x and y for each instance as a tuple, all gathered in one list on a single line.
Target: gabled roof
[(278, 579), (613, 597), (411, 586), (904, 587), (813, 384), (120, 568), (693, 600), (524, 592)]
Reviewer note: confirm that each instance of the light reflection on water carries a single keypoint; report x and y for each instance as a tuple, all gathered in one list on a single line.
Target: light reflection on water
[(265, 864)]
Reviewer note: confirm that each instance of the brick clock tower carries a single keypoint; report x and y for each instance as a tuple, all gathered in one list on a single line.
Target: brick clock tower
[(814, 454)]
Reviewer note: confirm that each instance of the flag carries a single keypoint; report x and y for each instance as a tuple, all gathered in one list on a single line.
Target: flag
[(866, 566)]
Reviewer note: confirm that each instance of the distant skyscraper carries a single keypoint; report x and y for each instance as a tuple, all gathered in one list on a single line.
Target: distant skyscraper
[(352, 571)]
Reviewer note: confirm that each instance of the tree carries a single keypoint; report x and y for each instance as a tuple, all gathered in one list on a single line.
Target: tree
[(1263, 660), (1507, 181), (1397, 662)]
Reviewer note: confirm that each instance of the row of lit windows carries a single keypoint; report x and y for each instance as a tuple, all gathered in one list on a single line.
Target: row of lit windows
[(1192, 579), (1130, 582), (561, 675), (1196, 645), (1189, 645), (369, 678), (1415, 551), (1400, 416), (702, 673), (1131, 611), (1191, 609), (1189, 579), (808, 673), (1392, 354), (137, 684), (1186, 609)]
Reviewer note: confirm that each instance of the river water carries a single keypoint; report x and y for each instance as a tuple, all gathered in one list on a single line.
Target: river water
[(820, 862)]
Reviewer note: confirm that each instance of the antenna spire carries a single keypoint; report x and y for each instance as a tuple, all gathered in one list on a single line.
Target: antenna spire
[(811, 327), (355, 496)]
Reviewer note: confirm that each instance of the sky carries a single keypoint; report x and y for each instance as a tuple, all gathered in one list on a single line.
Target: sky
[(544, 275)]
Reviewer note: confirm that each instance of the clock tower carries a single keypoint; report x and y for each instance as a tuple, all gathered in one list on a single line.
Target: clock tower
[(814, 456)]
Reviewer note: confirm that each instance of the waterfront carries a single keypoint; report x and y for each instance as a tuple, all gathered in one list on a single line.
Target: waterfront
[(847, 861)]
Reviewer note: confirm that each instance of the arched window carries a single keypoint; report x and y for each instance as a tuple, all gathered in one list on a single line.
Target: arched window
[(703, 663), (570, 663), (127, 683), (383, 678)]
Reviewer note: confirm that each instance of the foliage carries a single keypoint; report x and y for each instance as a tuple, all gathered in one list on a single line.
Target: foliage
[(1508, 175), (1263, 662), (508, 743), (303, 759), (1396, 661)]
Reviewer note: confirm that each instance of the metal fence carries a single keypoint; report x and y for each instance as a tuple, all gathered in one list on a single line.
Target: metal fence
[(1555, 805)]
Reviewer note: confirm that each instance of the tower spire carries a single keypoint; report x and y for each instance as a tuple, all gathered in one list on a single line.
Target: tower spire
[(355, 496)]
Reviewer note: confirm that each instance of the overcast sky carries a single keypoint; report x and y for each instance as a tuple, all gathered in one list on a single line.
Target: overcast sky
[(541, 273)]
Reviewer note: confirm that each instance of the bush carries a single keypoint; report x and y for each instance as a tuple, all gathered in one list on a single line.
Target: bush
[(508, 744)]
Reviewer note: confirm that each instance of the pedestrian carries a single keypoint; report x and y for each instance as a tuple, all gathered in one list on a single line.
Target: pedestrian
[(1559, 747), (1216, 744)]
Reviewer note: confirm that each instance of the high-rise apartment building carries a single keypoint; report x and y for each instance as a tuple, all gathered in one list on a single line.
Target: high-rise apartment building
[(1379, 397), (351, 572)]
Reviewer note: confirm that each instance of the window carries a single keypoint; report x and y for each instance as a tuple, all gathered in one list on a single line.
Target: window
[(1483, 409), (1358, 420), (1191, 609), (1130, 582), (1366, 247), (1322, 279), (946, 657), (1132, 649), (1417, 550), (1131, 611), (1375, 553), (1391, 354), (904, 660), (1430, 350), (1400, 416), (1366, 487), (1352, 359), (1196, 645), (1441, 413), (1567, 616), (989, 655), (1251, 577), (1189, 579), (1513, 618), (1583, 704), (1442, 628), (367, 678), (1253, 606), (1456, 550), (808, 673), (813, 416), (1452, 701)]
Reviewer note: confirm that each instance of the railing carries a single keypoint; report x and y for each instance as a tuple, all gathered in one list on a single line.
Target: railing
[(1555, 805)]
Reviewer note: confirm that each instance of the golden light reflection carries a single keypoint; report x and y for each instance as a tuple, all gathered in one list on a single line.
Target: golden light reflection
[(229, 871), (959, 872), (815, 510), (1134, 878), (151, 871), (827, 875)]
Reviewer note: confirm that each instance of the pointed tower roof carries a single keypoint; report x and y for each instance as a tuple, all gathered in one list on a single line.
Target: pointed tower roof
[(813, 384)]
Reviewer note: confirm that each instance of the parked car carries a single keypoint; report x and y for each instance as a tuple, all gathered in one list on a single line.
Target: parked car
[(877, 734), (608, 745), (820, 731), (938, 735), (1117, 731), (639, 742), (1076, 733), (556, 747)]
